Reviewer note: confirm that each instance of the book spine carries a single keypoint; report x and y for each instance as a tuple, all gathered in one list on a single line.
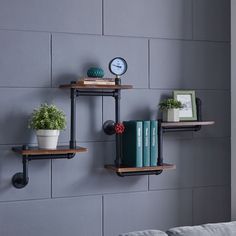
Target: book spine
[(132, 142), (96, 79), (153, 143), (139, 144), (95, 83), (146, 143)]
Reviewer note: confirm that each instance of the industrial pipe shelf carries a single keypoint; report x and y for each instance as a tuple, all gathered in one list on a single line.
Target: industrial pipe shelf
[(21, 179)]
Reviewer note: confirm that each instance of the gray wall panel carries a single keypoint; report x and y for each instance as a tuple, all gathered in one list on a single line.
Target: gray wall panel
[(52, 217), (60, 40), (210, 155), (144, 104), (215, 106), (211, 205), (39, 178), (211, 20), (24, 59), (152, 210), (18, 104), (189, 65), (88, 116), (18, 116), (161, 18), (198, 163), (178, 152), (85, 174), (82, 16), (73, 55)]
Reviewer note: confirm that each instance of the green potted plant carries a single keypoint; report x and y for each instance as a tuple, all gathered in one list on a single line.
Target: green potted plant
[(47, 120), (170, 109)]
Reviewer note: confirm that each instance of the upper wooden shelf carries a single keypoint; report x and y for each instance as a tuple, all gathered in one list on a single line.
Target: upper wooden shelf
[(37, 151), (96, 87), (186, 124), (125, 169)]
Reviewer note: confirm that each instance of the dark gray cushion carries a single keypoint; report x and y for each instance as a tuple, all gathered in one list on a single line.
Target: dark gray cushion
[(145, 233), (219, 229)]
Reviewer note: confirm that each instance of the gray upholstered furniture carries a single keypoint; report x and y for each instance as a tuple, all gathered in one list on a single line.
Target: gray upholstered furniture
[(146, 233), (219, 229)]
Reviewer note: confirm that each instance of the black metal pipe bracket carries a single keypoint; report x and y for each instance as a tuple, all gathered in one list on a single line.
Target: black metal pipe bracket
[(109, 127), (138, 173), (21, 179), (178, 129)]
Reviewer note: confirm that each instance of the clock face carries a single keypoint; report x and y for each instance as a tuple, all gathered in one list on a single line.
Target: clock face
[(118, 66)]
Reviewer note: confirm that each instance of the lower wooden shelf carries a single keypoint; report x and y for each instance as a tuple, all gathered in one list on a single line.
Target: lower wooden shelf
[(125, 169), (21, 179), (95, 87), (36, 151)]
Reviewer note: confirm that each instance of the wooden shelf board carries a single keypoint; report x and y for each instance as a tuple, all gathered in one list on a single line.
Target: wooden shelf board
[(186, 123), (59, 150), (96, 87), (123, 169)]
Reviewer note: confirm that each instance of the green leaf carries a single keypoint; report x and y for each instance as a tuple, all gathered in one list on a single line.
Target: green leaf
[(170, 103), (47, 117)]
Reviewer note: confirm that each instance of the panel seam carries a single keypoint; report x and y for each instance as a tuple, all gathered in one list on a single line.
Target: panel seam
[(51, 180), (149, 64), (51, 59), (103, 220), (192, 19), (102, 17)]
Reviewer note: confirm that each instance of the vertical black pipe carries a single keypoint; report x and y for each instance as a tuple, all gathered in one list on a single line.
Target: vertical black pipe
[(117, 106), (117, 80), (199, 109), (160, 144), (73, 118), (25, 170), (118, 136), (25, 163)]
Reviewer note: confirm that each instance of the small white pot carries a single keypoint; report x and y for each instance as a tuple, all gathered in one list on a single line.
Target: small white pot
[(171, 115), (47, 139)]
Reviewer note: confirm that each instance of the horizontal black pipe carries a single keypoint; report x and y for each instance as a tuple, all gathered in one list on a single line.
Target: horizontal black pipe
[(192, 128), (93, 93), (50, 156), (123, 174)]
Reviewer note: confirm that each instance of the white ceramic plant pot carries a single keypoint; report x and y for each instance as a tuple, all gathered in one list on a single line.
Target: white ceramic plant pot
[(171, 115), (47, 139)]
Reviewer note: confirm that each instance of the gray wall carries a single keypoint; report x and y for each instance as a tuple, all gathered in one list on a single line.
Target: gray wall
[(169, 44), (233, 110)]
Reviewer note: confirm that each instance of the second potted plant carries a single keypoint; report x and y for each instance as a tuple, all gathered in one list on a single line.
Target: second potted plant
[(47, 120), (170, 109)]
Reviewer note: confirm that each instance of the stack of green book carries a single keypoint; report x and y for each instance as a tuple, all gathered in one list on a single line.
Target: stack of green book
[(140, 144)]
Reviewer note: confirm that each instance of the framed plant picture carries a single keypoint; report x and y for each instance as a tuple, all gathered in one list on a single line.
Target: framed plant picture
[(188, 100)]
